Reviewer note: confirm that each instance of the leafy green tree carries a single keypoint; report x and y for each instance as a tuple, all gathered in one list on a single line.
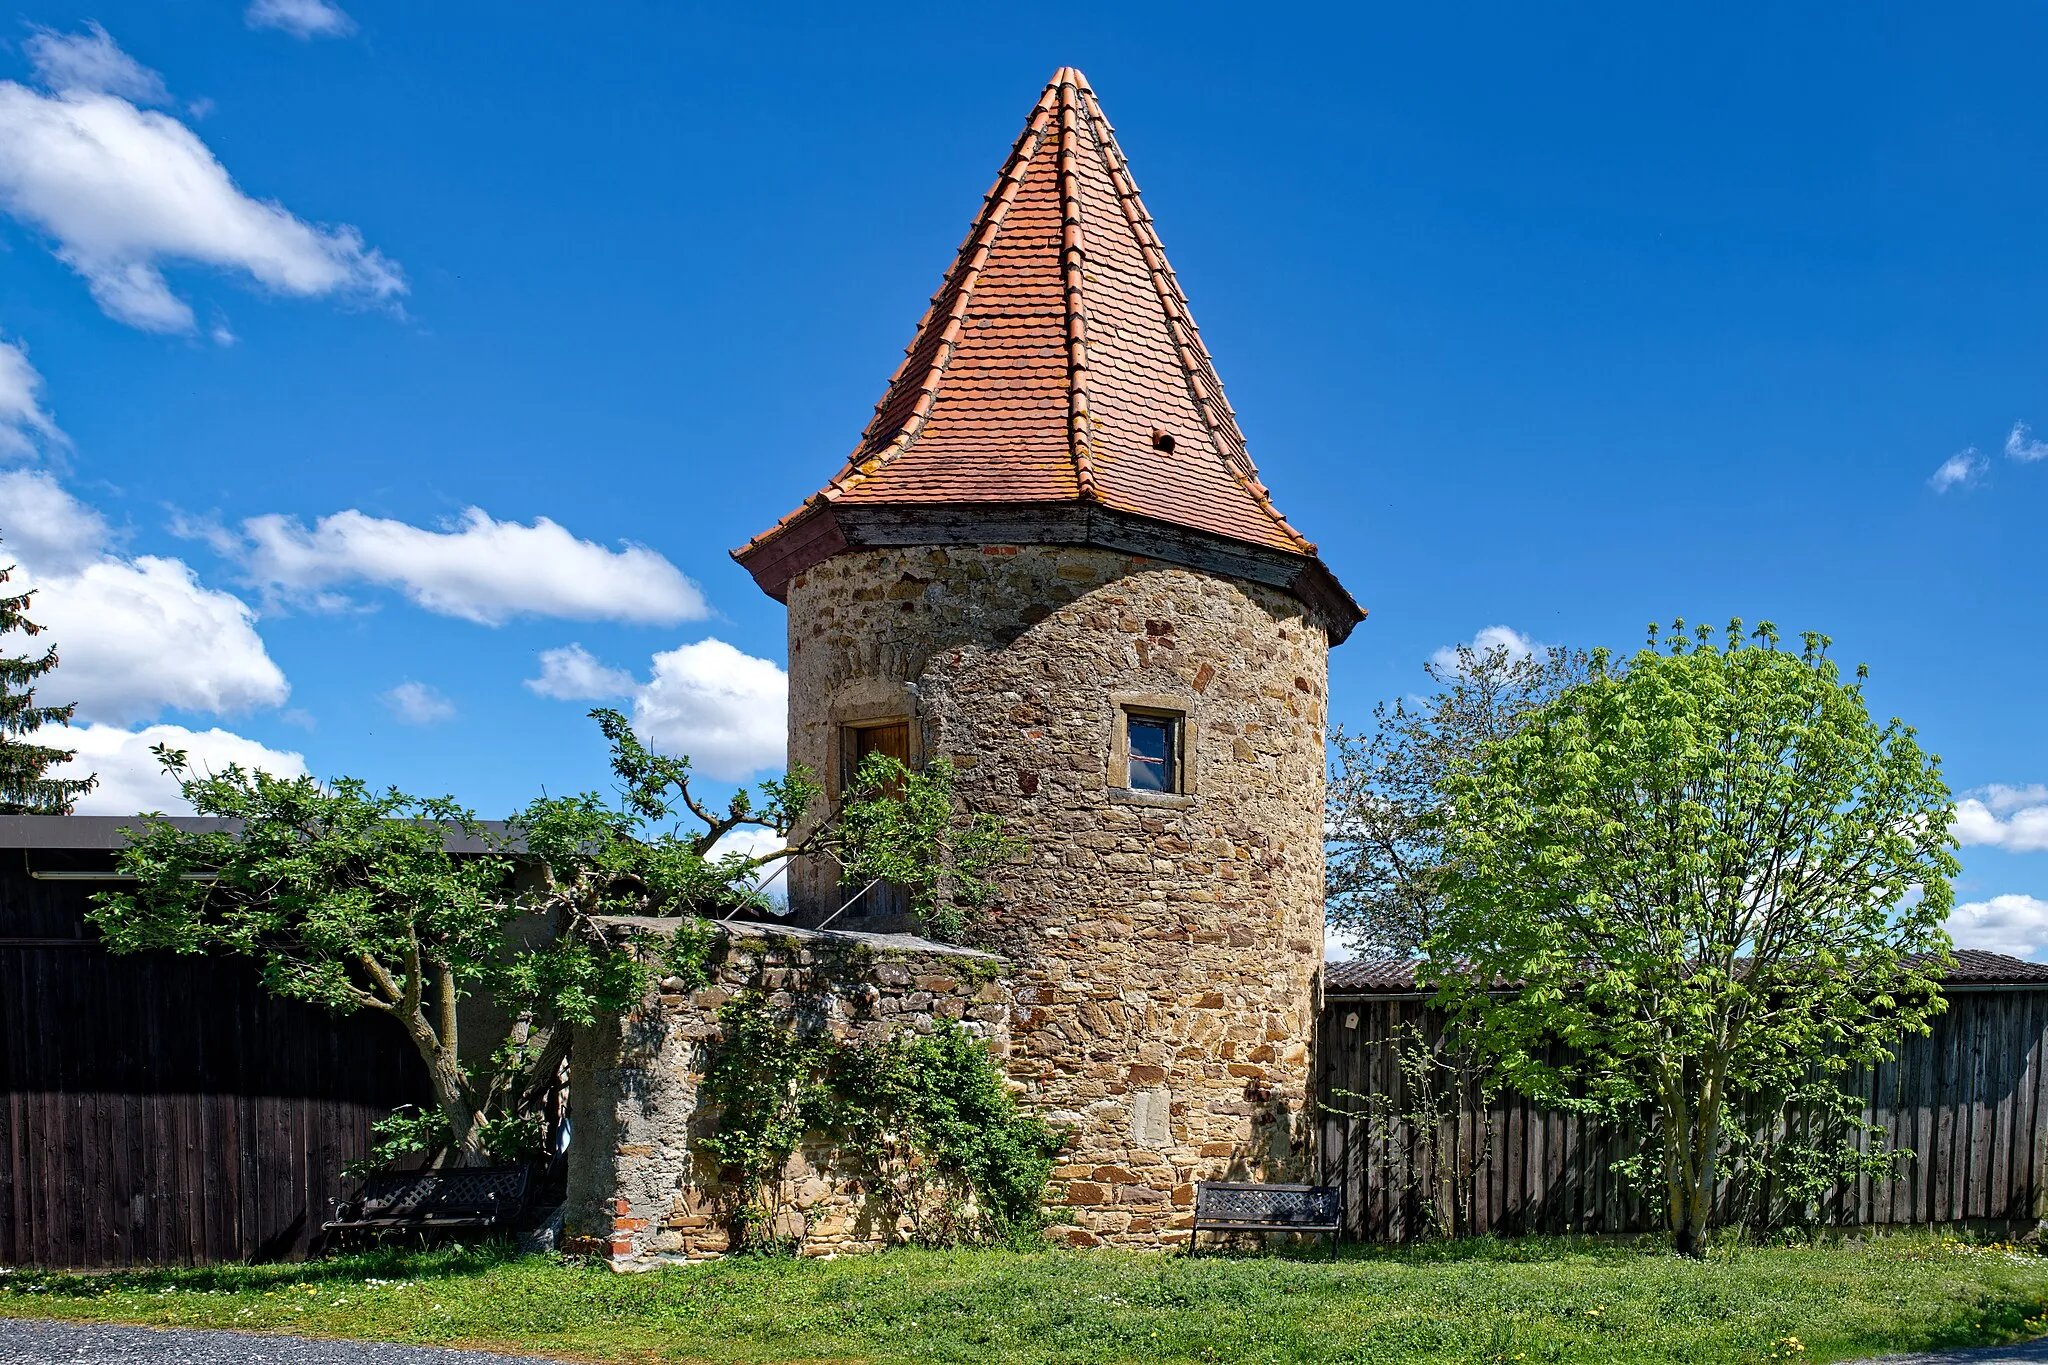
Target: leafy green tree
[(902, 829), (405, 906), (1698, 880), (26, 787), (1386, 799)]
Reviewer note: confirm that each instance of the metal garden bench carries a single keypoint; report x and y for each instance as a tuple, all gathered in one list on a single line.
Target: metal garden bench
[(1231, 1206), (463, 1198)]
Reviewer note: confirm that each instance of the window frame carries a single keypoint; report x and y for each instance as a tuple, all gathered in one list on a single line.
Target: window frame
[(887, 903), (864, 707), (1170, 723), (1179, 713)]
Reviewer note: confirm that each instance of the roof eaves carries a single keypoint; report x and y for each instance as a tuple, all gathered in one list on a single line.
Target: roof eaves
[(106, 833)]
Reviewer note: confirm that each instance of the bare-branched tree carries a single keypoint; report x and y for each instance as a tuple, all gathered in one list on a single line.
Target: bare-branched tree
[(1386, 794)]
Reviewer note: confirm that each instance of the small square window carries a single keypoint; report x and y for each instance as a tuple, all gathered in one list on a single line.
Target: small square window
[(1154, 747)]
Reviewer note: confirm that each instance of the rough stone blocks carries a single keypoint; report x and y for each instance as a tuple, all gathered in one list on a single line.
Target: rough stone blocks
[(1167, 946), (641, 1190)]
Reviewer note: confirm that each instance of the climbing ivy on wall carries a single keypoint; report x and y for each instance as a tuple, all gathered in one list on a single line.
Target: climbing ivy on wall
[(768, 1082), (925, 1121)]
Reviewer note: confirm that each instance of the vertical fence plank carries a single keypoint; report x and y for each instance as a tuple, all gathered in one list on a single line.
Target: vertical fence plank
[(2027, 1130), (1970, 1100), (132, 1136)]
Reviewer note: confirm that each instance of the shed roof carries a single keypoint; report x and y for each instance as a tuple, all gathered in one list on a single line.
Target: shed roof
[(110, 832), (1367, 976)]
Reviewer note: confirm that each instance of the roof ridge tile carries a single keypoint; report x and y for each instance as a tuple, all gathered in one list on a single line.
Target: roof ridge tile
[(1193, 355)]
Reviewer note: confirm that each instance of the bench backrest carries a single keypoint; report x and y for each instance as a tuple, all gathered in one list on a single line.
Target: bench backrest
[(1303, 1206), (464, 1191)]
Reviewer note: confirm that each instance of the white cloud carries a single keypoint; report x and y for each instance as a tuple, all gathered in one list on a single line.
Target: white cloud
[(25, 424), (415, 703), (772, 880), (573, 673), (1998, 816), (138, 635), (123, 190), (1960, 470), (90, 61), (44, 526), (131, 779), (751, 840), (2007, 799), (478, 569), (1518, 646), (726, 710), (2012, 924), (300, 18), (133, 636), (2020, 445)]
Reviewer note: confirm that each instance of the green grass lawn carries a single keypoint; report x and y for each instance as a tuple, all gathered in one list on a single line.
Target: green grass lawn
[(1537, 1300)]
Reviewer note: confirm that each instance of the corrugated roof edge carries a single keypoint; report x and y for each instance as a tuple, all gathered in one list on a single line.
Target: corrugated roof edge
[(1372, 976), (107, 831)]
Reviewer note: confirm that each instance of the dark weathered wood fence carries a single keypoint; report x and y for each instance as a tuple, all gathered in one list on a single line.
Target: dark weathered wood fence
[(1967, 1100), (161, 1109)]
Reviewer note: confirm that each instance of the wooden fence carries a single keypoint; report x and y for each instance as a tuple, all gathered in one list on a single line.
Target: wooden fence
[(1967, 1100), (167, 1110)]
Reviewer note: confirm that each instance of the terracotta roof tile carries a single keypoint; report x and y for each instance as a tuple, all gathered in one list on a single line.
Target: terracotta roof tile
[(1975, 966), (1058, 361)]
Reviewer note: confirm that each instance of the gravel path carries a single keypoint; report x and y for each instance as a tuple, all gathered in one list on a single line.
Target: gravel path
[(27, 1341), (2026, 1353)]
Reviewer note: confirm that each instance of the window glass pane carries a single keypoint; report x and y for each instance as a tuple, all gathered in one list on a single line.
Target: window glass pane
[(1148, 775), (1152, 753), (1150, 739)]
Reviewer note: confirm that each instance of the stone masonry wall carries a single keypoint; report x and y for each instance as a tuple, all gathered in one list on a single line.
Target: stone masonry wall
[(1167, 949), (640, 1191)]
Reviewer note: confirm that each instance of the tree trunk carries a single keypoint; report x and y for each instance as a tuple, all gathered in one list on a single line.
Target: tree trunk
[(1675, 1117), (465, 1124), (1696, 1144), (451, 1094)]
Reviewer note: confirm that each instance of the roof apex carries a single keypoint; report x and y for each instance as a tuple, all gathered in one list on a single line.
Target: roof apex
[(1057, 364)]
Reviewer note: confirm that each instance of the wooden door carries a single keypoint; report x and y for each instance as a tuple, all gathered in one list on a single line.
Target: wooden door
[(887, 905), (891, 740), (164, 1109)]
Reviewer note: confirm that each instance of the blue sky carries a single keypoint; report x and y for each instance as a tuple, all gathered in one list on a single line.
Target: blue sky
[(1556, 320)]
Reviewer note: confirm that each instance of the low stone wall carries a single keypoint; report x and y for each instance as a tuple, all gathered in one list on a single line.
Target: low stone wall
[(641, 1191)]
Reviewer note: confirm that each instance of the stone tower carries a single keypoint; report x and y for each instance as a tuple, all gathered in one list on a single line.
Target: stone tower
[(1051, 559)]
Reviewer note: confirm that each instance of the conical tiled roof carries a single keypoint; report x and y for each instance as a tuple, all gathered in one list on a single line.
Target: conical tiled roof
[(1057, 364)]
